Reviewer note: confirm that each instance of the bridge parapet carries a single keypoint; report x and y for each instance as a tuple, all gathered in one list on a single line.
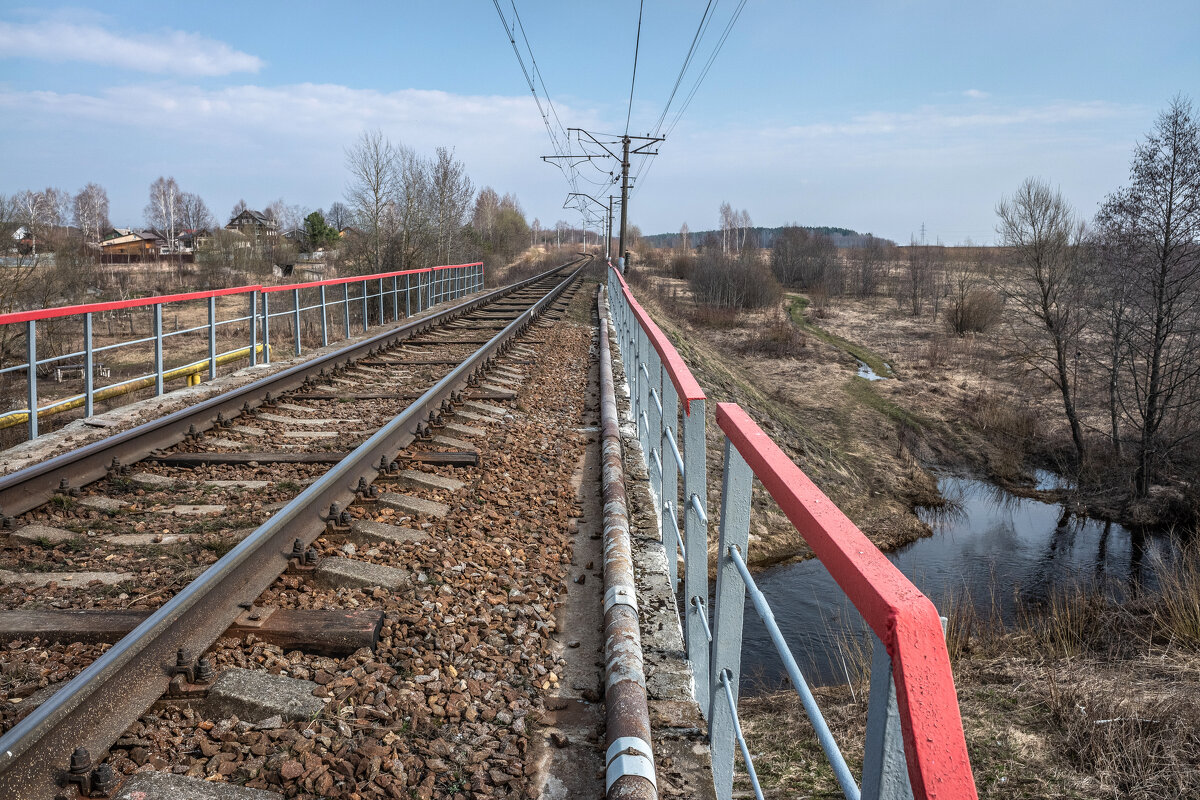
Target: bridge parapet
[(915, 746)]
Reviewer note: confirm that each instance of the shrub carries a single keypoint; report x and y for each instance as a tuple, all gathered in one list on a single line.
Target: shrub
[(682, 265), (976, 312), (779, 338), (724, 282)]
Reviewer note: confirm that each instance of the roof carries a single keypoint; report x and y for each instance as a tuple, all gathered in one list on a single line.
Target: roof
[(256, 216)]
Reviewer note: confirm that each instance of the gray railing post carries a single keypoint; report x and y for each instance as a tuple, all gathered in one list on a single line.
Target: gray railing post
[(366, 311), (266, 312), (885, 769), (346, 307), (642, 377), (158, 349), (668, 504), (382, 315), (253, 327), (395, 298), (296, 317), (31, 355), (89, 378), (324, 320), (736, 485), (695, 535), (654, 425), (407, 297), (212, 339)]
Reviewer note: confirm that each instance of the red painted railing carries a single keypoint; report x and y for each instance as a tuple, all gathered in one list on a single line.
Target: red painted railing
[(900, 615), (685, 384)]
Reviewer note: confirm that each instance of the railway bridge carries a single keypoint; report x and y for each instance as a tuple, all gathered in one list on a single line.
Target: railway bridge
[(457, 543)]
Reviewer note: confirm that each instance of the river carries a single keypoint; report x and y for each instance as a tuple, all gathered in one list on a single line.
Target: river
[(994, 548)]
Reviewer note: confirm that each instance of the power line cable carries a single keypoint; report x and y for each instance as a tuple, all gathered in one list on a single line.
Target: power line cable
[(636, 46)]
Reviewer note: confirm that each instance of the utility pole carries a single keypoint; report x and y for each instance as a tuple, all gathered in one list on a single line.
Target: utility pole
[(624, 195), (623, 159), (608, 231)]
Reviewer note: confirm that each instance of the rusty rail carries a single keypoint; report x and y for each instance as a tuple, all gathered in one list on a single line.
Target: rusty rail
[(629, 755), (99, 704)]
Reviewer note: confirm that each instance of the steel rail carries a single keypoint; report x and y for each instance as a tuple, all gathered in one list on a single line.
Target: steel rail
[(629, 753), (100, 703), (34, 485)]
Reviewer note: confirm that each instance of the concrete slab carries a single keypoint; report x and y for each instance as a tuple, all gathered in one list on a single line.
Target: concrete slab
[(366, 532), (486, 408), (506, 383), (101, 503), (294, 407), (143, 539), (306, 421), (238, 484), (311, 434), (37, 534), (247, 430), (450, 441), (428, 480), (413, 505), (152, 481), (463, 430), (254, 695), (62, 578), (473, 417), (347, 572), (228, 445), (495, 386), (167, 786), (510, 374), (192, 510)]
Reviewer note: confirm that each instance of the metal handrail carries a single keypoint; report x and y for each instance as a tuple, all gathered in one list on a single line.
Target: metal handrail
[(915, 744), (443, 283)]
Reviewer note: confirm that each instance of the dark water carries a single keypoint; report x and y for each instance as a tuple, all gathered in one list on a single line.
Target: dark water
[(996, 551)]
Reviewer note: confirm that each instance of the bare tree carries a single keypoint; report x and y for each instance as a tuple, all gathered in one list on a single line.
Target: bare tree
[(40, 212), (163, 210), (451, 192), (339, 215), (374, 169), (728, 223), (867, 260), (90, 210), (684, 231), (1049, 286), (238, 208), (1152, 228), (194, 214)]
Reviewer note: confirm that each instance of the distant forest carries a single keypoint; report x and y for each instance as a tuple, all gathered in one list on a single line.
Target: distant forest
[(762, 237)]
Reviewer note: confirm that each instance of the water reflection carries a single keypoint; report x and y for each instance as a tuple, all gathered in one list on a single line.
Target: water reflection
[(990, 548), (865, 371)]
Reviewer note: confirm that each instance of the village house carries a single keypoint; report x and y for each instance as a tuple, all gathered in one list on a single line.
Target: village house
[(260, 229)]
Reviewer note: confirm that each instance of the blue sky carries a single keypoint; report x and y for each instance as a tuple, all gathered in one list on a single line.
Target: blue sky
[(878, 116)]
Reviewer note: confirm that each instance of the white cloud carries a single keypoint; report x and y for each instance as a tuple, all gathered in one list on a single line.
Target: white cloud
[(165, 52), (975, 94)]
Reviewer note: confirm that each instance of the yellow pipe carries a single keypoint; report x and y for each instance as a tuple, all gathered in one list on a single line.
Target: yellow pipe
[(191, 371)]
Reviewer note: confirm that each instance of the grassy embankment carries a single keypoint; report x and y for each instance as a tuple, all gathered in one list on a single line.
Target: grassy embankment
[(1086, 698)]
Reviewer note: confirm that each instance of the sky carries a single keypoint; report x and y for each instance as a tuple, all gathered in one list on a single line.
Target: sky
[(876, 116)]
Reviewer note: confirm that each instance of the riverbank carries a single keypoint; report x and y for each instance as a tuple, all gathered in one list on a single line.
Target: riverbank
[(1085, 698)]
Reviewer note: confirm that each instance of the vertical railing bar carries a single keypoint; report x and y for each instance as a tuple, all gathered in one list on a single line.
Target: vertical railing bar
[(324, 320), (89, 377), (407, 297), (669, 487), (296, 318), (158, 349), (382, 316), (395, 298), (253, 328), (32, 394), (736, 484), (266, 328), (346, 307)]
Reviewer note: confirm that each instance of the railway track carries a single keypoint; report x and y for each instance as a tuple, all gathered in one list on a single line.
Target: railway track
[(248, 519)]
